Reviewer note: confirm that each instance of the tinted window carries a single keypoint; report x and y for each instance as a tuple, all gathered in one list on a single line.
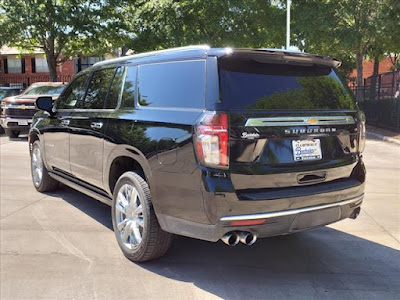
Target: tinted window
[(44, 90), (8, 93), (115, 89), (264, 86), (128, 96), (176, 84), (73, 95), (98, 88)]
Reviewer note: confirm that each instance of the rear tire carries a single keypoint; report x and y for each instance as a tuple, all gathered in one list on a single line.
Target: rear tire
[(136, 227), (40, 177), (11, 133)]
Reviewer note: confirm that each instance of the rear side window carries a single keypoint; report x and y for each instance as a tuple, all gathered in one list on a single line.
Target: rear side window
[(72, 97), (172, 84), (98, 88), (128, 94), (115, 90), (252, 85)]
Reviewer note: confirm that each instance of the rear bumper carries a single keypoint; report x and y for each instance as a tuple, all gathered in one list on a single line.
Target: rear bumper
[(287, 210), (21, 124), (278, 222)]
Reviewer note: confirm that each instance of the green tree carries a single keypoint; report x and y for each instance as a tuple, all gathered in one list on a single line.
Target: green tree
[(62, 28), (347, 29), (167, 23)]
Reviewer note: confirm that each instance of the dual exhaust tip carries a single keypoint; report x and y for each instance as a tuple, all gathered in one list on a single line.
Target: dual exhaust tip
[(233, 238)]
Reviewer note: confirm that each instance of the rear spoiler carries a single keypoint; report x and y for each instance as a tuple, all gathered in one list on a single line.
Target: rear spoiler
[(283, 57)]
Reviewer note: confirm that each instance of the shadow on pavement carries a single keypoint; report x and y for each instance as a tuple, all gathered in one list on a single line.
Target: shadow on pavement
[(323, 262), (95, 209), (21, 138), (372, 138), (390, 132)]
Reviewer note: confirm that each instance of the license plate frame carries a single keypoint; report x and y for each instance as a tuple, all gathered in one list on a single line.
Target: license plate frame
[(307, 150), (23, 122)]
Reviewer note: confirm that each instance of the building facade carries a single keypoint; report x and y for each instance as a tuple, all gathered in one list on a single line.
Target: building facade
[(20, 69), (385, 65)]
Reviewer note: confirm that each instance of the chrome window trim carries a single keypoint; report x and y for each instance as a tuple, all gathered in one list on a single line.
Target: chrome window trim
[(282, 213), (301, 121), (86, 110), (172, 108)]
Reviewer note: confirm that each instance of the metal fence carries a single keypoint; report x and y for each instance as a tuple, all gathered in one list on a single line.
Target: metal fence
[(380, 99), (24, 81)]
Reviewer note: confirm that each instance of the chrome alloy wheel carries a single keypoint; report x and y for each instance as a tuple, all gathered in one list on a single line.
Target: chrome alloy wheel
[(129, 216), (37, 166)]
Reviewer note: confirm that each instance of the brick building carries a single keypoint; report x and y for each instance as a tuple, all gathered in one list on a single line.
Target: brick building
[(368, 68), (19, 68)]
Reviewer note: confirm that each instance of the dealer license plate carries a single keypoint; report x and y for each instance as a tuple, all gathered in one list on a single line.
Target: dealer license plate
[(22, 122), (306, 150)]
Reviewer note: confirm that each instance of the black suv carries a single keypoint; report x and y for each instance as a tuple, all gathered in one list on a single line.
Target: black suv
[(209, 143)]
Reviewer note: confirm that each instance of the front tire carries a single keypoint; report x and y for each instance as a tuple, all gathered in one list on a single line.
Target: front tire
[(40, 177), (136, 227), (12, 134)]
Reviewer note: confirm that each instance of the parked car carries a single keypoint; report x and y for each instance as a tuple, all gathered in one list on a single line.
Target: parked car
[(209, 143), (17, 111), (8, 92)]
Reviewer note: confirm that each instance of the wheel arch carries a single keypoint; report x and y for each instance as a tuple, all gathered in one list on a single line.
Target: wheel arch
[(33, 136), (123, 159)]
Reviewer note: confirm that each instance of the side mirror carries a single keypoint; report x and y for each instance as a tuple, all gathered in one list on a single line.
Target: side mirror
[(45, 103)]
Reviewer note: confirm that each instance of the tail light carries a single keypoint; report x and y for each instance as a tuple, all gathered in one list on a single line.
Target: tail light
[(211, 140), (361, 132)]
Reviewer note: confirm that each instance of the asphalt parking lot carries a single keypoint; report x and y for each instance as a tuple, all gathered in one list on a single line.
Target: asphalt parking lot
[(61, 246)]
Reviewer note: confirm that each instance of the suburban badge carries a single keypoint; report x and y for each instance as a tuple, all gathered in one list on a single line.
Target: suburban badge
[(309, 130), (250, 136)]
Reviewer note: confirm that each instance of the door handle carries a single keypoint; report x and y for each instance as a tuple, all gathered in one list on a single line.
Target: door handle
[(65, 122), (96, 125)]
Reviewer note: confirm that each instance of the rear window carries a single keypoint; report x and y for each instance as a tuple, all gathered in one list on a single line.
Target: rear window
[(251, 85), (172, 84)]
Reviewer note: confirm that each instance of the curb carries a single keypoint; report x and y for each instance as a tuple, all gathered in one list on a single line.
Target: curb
[(383, 137)]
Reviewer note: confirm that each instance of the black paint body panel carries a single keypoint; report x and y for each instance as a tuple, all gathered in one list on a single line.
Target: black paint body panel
[(160, 140)]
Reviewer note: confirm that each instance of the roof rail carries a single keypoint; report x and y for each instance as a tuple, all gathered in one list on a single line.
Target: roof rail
[(123, 58)]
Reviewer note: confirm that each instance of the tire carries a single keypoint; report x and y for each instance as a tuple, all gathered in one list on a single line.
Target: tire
[(12, 134), (40, 177), (139, 236)]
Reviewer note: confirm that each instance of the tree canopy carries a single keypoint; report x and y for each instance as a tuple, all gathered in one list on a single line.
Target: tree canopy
[(346, 29), (61, 28), (239, 23)]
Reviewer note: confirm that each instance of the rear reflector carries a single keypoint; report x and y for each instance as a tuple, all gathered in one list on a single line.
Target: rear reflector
[(248, 222)]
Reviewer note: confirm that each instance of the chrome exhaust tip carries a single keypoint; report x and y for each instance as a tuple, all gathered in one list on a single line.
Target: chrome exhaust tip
[(247, 238), (230, 238), (355, 213)]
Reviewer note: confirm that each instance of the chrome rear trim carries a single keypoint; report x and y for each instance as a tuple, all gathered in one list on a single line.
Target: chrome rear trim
[(291, 211), (300, 121)]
